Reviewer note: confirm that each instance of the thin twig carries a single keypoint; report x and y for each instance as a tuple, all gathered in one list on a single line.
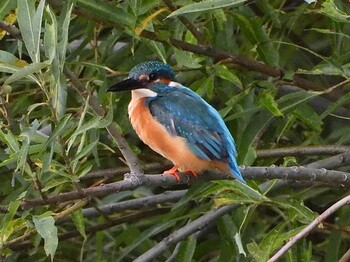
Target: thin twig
[(307, 230)]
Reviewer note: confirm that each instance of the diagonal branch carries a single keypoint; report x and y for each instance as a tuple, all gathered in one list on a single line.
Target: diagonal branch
[(307, 230), (184, 232)]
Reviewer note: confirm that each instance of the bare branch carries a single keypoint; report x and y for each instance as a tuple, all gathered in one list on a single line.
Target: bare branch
[(130, 182), (331, 162), (138, 203), (184, 232), (345, 257), (344, 201), (12, 30), (302, 151)]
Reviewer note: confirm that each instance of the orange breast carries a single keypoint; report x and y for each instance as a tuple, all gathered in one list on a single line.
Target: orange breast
[(156, 137)]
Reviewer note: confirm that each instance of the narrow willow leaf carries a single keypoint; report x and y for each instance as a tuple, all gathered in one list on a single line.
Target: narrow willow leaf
[(106, 11), (11, 212), (26, 136), (86, 150), (332, 11), (148, 20), (157, 48), (10, 140), (26, 71), (187, 249), (223, 72), (187, 59), (229, 231), (29, 21), (8, 58), (267, 99), (63, 31), (46, 228), (60, 127), (306, 114), (54, 183), (78, 220), (256, 35), (93, 123), (206, 5), (50, 36)]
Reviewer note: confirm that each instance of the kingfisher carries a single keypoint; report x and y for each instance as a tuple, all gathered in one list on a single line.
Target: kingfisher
[(177, 123)]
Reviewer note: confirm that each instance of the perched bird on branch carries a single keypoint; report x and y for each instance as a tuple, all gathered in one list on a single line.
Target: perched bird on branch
[(177, 123)]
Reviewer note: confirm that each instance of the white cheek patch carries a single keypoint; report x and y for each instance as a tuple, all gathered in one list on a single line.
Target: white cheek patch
[(174, 84), (143, 92)]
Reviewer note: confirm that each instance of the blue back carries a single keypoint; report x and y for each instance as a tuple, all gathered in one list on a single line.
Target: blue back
[(184, 113)]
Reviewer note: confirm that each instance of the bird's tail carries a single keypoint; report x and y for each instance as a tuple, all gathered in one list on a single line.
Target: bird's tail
[(235, 170)]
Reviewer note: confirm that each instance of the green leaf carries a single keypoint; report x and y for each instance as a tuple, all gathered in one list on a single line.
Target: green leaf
[(29, 21), (50, 36), (5, 228), (267, 99), (223, 72), (26, 135), (10, 140), (106, 11), (332, 11), (206, 5), (53, 183), (186, 250), (46, 228), (86, 150), (205, 86), (229, 231), (59, 128), (306, 114), (297, 210), (78, 220), (256, 35), (27, 72), (187, 59), (232, 191)]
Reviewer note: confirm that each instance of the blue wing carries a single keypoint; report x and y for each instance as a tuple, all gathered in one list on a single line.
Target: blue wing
[(184, 113)]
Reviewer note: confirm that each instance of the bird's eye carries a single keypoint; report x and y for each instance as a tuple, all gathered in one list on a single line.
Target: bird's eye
[(152, 76)]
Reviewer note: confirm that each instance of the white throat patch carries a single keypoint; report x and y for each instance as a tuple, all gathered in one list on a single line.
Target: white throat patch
[(143, 92)]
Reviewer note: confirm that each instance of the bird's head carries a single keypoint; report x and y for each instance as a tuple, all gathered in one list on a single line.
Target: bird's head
[(143, 75)]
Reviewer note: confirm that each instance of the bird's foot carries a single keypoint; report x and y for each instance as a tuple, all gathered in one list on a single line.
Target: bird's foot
[(190, 171), (175, 172)]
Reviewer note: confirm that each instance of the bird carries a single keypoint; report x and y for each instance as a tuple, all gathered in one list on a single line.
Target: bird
[(177, 123)]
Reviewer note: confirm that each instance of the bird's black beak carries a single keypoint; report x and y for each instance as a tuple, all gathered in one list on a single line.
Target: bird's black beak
[(127, 85)]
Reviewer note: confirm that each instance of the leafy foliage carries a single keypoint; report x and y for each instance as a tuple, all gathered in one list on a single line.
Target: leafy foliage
[(278, 71)]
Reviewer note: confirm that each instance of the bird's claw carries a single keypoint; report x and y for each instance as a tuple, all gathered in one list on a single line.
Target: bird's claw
[(175, 172)]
